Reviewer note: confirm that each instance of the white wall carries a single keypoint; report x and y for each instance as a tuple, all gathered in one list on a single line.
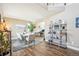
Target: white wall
[(1, 11), (69, 16)]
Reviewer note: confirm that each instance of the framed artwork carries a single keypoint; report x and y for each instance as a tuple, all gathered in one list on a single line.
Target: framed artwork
[(77, 22)]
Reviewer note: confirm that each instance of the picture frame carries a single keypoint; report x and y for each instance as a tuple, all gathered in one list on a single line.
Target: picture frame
[(77, 22)]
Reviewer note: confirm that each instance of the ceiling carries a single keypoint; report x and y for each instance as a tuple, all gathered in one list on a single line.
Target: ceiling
[(30, 11)]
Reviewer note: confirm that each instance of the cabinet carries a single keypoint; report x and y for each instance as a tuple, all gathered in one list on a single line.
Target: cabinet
[(5, 43)]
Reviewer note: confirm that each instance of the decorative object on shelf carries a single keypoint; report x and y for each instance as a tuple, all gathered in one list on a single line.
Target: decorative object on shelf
[(58, 33)]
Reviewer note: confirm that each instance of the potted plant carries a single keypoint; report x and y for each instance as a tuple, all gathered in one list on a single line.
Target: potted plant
[(31, 27)]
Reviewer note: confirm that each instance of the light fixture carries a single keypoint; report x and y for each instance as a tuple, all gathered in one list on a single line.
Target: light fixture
[(55, 6), (2, 24)]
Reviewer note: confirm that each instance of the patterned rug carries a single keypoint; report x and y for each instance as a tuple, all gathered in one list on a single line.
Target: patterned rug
[(19, 44)]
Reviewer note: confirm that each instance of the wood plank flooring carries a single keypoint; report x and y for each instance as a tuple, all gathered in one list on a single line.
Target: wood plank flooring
[(44, 49)]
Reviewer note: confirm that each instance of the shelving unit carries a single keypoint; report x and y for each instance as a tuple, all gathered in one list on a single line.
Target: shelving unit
[(58, 34), (5, 43)]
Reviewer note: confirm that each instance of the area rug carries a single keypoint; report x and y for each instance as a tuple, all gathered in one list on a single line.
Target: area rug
[(18, 44)]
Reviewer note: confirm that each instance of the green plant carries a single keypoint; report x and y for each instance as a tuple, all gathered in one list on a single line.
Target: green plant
[(31, 27)]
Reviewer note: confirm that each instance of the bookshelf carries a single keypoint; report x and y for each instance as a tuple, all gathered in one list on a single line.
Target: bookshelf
[(58, 33), (5, 43)]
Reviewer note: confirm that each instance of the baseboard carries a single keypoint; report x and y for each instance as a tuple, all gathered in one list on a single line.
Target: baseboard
[(74, 48)]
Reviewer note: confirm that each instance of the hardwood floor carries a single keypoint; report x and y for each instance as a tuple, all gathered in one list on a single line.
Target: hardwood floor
[(43, 49)]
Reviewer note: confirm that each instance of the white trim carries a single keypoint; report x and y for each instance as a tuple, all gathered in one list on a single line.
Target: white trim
[(74, 48)]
